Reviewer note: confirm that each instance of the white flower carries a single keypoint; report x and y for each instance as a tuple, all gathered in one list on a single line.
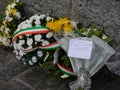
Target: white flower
[(30, 47), (24, 26), (15, 45), (48, 18), (33, 17), (37, 22), (24, 63), (7, 13), (85, 33), (49, 35), (29, 41), (5, 41), (28, 25), (0, 37), (17, 1), (20, 37), (18, 57), (30, 63), (7, 30), (9, 18), (74, 24), (95, 29), (39, 53), (19, 46), (15, 51), (42, 16), (21, 53), (64, 76), (42, 40), (28, 35), (104, 36), (18, 15), (9, 7), (21, 42), (34, 59), (45, 43), (13, 5), (37, 37)]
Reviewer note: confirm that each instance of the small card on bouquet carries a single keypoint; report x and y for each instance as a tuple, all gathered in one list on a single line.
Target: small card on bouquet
[(80, 48)]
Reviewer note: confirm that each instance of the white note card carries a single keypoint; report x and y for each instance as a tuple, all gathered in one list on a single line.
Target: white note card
[(80, 48)]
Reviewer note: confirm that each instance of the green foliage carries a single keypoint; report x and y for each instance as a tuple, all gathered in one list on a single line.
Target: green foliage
[(109, 39)]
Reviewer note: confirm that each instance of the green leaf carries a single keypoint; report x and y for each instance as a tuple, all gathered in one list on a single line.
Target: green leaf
[(109, 39), (48, 66)]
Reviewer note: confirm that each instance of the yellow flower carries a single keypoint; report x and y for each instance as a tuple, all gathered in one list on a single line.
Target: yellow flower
[(61, 24), (54, 25), (12, 11), (5, 23), (67, 27), (3, 34)]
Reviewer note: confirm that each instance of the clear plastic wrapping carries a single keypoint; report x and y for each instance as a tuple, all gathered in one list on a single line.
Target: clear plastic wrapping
[(84, 69)]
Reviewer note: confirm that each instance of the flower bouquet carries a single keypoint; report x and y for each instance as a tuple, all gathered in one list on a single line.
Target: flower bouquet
[(87, 49), (9, 22)]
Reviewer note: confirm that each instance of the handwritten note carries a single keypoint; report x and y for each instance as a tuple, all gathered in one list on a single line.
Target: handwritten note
[(80, 48)]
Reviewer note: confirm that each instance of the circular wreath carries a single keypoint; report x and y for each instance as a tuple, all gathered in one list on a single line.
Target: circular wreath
[(37, 38), (33, 42)]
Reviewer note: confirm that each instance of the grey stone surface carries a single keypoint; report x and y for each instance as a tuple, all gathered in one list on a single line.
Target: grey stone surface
[(52, 7), (3, 3), (9, 66)]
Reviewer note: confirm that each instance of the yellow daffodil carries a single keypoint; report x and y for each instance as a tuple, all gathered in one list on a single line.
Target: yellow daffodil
[(61, 24), (67, 27)]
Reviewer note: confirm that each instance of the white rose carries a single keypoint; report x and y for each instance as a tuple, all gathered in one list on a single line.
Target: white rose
[(49, 35), (45, 43), (39, 53), (38, 37), (34, 59), (30, 63), (29, 41)]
